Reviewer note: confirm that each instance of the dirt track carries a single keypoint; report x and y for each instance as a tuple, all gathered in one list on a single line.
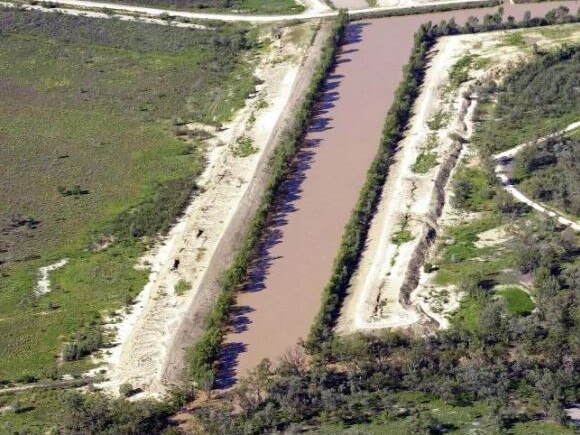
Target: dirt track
[(315, 12)]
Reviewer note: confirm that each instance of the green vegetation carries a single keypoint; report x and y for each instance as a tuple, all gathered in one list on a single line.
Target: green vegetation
[(550, 173), (540, 98), (403, 235), (459, 72), (472, 189), (242, 6), (517, 300), (515, 39), (92, 169), (425, 161), (244, 147), (182, 287), (439, 120)]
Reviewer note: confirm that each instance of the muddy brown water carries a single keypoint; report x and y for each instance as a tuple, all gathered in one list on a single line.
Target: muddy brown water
[(283, 296)]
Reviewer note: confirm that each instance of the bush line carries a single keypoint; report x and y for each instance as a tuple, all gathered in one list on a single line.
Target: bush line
[(354, 237), (204, 355)]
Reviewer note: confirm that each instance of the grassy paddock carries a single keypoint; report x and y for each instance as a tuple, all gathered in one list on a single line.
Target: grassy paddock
[(89, 156)]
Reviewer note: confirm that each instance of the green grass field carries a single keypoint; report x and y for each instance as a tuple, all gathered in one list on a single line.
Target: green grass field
[(90, 103), (518, 301)]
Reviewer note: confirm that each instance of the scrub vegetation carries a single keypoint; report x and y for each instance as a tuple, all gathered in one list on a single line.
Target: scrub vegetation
[(540, 98), (92, 169), (550, 173)]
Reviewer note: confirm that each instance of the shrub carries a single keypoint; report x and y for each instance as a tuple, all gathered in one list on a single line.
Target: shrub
[(84, 343)]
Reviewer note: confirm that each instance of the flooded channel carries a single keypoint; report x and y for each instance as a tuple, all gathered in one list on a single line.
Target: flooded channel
[(283, 297)]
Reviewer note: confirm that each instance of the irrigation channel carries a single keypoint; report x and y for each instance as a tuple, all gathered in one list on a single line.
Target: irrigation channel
[(294, 264)]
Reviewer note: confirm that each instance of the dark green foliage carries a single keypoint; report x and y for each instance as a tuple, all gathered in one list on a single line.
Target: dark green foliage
[(156, 214), (538, 98), (125, 34), (83, 343), (95, 414), (76, 190)]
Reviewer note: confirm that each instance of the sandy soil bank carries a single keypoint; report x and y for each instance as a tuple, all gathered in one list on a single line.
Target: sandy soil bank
[(43, 283), (151, 338)]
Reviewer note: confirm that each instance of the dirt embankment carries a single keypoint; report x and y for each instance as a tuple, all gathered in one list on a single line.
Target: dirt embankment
[(170, 312)]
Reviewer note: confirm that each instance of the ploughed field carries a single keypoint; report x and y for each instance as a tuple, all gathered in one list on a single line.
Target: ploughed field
[(91, 167), (282, 298)]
